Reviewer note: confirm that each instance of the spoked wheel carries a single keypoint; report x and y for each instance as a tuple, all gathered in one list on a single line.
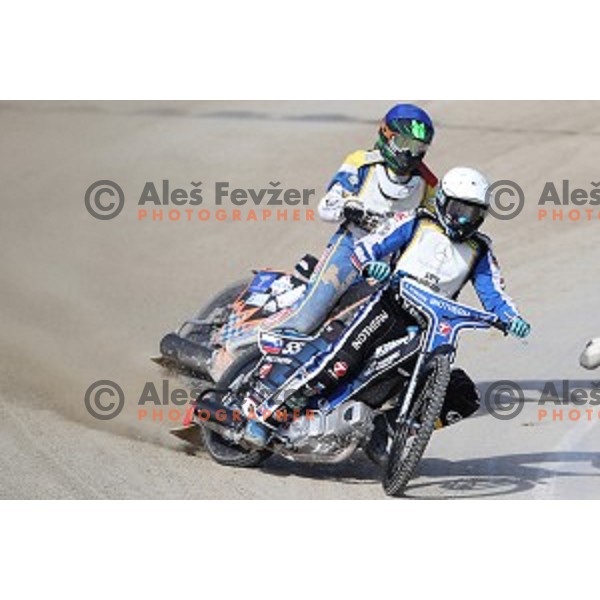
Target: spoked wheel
[(220, 449), (411, 438), (229, 454), (201, 333)]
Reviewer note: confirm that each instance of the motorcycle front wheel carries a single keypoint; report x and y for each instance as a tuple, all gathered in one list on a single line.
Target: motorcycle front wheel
[(411, 437)]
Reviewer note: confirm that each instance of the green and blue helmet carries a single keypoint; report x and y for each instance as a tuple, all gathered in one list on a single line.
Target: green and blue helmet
[(404, 137)]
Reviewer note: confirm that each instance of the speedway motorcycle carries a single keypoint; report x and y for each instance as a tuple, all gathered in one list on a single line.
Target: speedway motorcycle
[(390, 408)]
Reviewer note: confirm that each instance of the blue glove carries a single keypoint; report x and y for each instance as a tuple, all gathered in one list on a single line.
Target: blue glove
[(378, 270), (519, 328)]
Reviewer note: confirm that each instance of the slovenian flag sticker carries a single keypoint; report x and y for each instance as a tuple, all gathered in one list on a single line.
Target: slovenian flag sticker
[(271, 344)]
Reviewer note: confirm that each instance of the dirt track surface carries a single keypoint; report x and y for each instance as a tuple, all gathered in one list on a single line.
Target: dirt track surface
[(85, 300)]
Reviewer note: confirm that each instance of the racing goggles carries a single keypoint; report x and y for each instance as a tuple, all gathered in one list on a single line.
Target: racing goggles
[(401, 143), (463, 212)]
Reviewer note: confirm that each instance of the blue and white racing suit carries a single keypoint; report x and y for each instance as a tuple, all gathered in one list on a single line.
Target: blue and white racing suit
[(431, 257), (363, 178)]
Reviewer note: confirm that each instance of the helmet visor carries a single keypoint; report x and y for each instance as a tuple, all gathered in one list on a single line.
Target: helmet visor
[(462, 213), (401, 143)]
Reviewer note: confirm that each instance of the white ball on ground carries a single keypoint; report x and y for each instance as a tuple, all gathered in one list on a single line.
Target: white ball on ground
[(590, 357)]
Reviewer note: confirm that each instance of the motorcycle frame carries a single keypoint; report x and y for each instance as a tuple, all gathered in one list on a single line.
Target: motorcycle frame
[(448, 312)]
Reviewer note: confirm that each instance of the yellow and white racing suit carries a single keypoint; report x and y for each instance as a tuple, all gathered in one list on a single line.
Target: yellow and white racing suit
[(364, 179)]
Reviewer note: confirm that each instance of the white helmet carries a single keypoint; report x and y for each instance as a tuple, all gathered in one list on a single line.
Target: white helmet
[(461, 202)]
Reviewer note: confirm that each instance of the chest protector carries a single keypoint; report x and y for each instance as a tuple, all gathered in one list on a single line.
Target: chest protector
[(381, 194), (435, 260)]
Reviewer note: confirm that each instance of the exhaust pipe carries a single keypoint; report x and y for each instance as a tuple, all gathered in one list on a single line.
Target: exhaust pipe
[(182, 352), (209, 410), (230, 423)]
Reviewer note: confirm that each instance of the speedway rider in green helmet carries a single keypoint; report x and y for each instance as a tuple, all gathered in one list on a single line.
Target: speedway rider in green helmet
[(369, 187)]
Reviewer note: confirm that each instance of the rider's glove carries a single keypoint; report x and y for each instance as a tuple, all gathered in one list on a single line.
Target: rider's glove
[(354, 210), (519, 328), (378, 270)]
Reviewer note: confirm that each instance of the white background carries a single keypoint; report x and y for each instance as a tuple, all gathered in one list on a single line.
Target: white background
[(251, 50), (179, 49)]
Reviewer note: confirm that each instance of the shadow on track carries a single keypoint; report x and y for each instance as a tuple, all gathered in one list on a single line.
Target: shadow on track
[(496, 476), (487, 477), (357, 470)]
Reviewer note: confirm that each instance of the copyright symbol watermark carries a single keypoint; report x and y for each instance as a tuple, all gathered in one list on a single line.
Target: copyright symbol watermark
[(497, 403), (104, 199), (104, 408), (506, 199)]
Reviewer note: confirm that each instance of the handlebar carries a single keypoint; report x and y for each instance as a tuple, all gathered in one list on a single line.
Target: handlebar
[(398, 275), (364, 217)]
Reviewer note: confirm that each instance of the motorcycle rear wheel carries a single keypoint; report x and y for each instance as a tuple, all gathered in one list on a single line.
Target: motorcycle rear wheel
[(221, 450), (224, 298)]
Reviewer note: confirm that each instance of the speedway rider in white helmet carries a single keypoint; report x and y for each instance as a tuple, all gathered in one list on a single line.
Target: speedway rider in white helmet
[(442, 249)]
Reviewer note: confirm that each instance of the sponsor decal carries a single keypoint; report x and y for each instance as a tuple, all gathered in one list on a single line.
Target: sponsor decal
[(313, 390), (280, 360), (340, 368), (432, 281), (448, 306), (292, 348), (263, 281), (265, 370), (383, 364), (370, 329), (444, 328), (257, 299), (402, 216), (389, 346)]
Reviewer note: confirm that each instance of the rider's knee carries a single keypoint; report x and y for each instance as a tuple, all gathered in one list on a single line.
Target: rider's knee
[(304, 323)]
